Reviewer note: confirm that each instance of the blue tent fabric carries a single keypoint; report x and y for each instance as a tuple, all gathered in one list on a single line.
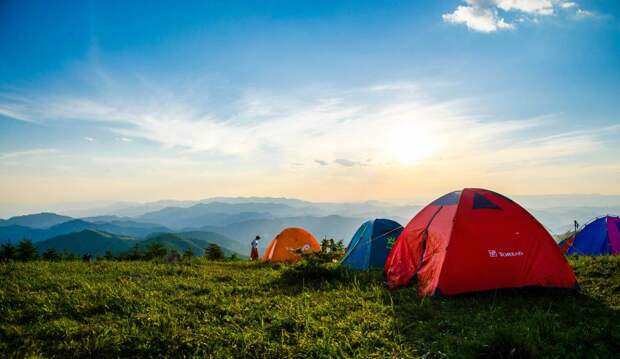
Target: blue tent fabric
[(371, 244), (592, 240)]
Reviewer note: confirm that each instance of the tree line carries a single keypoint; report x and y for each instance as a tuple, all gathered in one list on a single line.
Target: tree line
[(26, 251)]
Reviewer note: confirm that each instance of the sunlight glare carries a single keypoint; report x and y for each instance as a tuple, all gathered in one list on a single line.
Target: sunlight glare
[(410, 144)]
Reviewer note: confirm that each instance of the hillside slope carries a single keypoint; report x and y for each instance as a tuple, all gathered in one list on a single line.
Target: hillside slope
[(243, 309)]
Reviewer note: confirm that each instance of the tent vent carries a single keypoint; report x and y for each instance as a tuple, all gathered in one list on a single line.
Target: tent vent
[(481, 201), (448, 199)]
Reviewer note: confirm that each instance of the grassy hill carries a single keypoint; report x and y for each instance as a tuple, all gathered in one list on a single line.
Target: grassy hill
[(242, 309)]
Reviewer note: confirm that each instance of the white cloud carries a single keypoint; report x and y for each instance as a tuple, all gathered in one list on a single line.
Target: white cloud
[(89, 139), (489, 15), (477, 19), (537, 7), (568, 5), (125, 139), (584, 14)]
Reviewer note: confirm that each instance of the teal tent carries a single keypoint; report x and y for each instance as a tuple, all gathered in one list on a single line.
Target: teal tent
[(371, 244)]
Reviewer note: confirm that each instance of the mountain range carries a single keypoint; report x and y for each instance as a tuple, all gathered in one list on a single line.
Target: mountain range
[(233, 222)]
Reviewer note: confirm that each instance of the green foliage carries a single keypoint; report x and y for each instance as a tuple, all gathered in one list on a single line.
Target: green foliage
[(7, 252), (135, 254), (26, 250), (108, 255), (331, 251), (155, 251), (246, 309), (51, 255), (214, 252), (188, 254)]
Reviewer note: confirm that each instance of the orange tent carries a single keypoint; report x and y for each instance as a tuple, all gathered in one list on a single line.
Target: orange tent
[(280, 249)]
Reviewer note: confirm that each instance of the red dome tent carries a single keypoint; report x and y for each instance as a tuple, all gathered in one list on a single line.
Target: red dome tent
[(476, 240)]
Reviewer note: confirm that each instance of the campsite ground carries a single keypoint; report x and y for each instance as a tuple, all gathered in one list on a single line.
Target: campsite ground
[(109, 309)]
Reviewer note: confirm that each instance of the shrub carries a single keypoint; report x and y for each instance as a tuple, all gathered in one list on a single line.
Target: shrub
[(214, 252), (26, 250), (319, 266), (134, 254), (51, 255), (155, 251), (108, 255), (188, 254), (331, 251), (7, 252)]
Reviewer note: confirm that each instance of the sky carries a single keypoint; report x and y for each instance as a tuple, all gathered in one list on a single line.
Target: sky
[(319, 100)]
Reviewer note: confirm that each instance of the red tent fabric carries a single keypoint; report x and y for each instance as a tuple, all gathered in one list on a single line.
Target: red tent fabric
[(475, 240)]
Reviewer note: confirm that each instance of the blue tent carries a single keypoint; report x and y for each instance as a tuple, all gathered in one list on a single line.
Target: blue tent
[(371, 244), (599, 237)]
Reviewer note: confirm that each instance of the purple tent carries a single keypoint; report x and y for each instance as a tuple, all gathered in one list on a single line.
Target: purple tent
[(599, 237)]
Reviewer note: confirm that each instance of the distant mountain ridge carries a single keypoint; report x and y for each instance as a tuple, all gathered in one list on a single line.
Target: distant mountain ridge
[(15, 233), (88, 241), (98, 243), (38, 220)]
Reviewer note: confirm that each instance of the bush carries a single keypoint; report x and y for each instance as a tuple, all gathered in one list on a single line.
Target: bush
[(214, 252), (108, 255), (26, 250), (155, 251), (135, 254), (51, 255), (7, 252), (319, 266), (331, 251), (188, 254)]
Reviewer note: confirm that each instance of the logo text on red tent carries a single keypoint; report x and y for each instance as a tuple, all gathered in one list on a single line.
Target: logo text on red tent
[(494, 254)]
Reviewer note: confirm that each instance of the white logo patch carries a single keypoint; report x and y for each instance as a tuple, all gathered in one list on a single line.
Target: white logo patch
[(493, 253)]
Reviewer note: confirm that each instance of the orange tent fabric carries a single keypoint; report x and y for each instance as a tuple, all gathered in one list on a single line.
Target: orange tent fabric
[(280, 249)]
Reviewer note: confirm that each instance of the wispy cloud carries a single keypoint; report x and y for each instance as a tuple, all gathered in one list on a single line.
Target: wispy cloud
[(321, 162), (389, 122), (27, 153), (89, 139)]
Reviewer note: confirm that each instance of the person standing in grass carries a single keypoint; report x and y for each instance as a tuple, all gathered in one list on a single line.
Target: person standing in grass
[(254, 252)]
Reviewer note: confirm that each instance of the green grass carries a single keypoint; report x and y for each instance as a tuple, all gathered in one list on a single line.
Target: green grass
[(241, 309)]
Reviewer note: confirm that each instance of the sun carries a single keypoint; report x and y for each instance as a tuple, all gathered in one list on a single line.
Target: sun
[(409, 144)]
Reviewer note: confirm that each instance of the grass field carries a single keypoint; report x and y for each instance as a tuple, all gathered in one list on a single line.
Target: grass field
[(241, 309)]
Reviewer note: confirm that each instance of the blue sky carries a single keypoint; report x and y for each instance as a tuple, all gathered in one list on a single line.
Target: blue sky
[(347, 100)]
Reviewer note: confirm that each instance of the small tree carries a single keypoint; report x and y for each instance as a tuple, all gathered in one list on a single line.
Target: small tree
[(7, 252), (135, 254), (188, 254), (69, 256), (214, 252), (108, 255), (51, 255), (26, 250), (155, 250)]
